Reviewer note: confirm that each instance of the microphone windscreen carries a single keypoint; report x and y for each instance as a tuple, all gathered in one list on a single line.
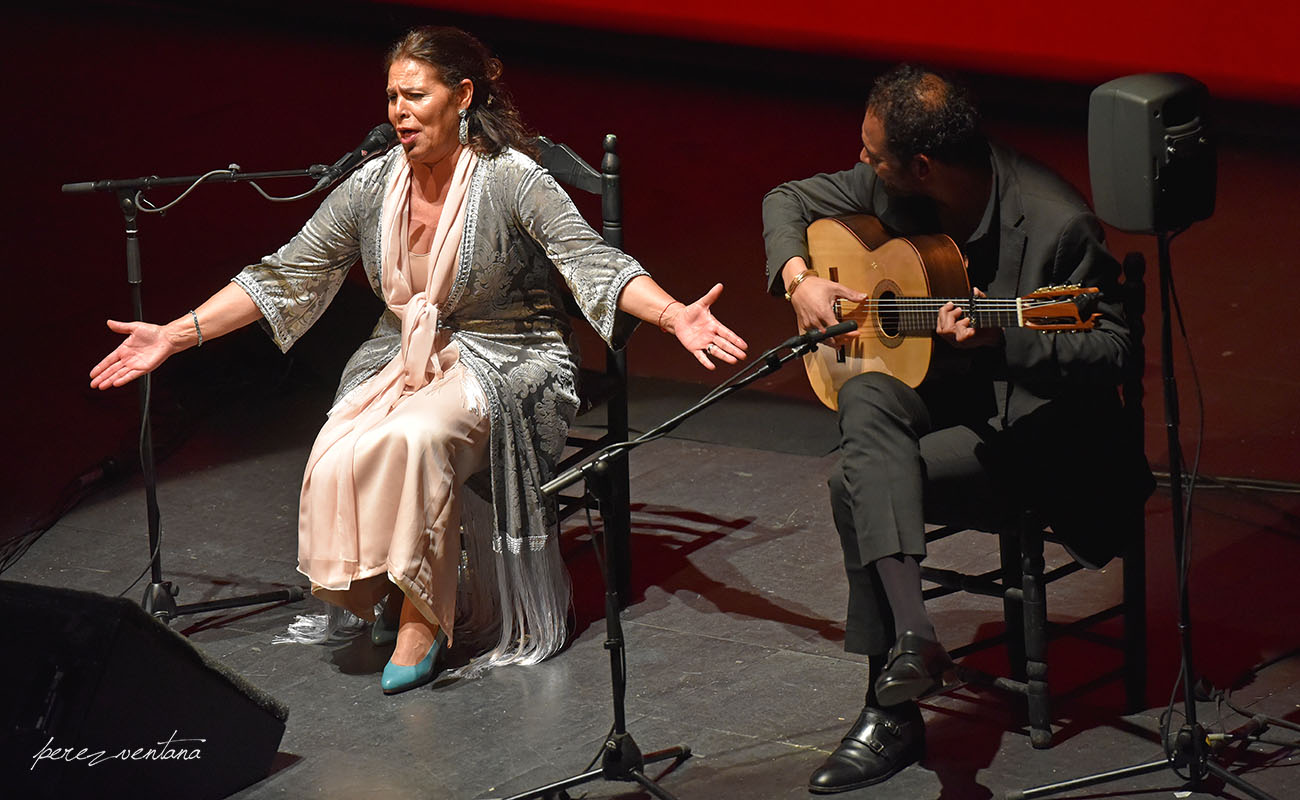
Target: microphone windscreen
[(380, 137), (841, 327)]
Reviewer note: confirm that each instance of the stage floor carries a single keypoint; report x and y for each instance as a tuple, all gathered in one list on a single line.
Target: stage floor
[(733, 633)]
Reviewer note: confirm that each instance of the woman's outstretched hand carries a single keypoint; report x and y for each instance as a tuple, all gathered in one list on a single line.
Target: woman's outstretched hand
[(145, 348), (701, 333)]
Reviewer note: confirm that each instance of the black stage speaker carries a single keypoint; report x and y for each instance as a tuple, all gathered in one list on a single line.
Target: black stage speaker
[(98, 699), (1152, 163)]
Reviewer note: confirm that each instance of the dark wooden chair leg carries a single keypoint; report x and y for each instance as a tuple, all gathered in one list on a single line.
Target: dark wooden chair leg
[(1013, 610), (1135, 624), (1035, 641)]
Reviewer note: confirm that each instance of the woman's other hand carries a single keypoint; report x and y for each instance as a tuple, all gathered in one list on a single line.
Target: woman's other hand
[(146, 347), (703, 335)]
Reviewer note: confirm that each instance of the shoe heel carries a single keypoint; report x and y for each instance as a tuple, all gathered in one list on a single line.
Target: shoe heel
[(381, 634)]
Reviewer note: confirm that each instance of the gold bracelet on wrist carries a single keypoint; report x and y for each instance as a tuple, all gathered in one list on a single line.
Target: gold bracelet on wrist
[(798, 279)]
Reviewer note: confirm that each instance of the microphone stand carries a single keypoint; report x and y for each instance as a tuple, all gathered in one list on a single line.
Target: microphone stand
[(621, 759), (160, 595), (1189, 746)]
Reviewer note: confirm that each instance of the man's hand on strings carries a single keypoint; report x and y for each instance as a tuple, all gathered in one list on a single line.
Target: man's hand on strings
[(959, 330), (814, 302)]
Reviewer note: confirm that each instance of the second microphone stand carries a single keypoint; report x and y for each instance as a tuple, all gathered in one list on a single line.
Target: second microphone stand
[(159, 598), (1188, 747), (621, 759)]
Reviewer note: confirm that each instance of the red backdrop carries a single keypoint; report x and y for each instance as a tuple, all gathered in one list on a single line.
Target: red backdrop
[(108, 90), (1244, 50)]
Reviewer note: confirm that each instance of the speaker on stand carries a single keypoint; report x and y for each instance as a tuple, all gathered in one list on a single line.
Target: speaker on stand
[(1152, 166), (1150, 158)]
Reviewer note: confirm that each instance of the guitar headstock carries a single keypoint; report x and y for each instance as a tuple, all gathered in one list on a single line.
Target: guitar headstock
[(1060, 308)]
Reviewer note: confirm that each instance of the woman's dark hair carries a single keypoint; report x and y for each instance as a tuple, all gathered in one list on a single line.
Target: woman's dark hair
[(494, 122), (926, 113)]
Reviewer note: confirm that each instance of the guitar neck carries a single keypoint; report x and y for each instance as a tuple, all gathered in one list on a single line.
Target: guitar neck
[(917, 315)]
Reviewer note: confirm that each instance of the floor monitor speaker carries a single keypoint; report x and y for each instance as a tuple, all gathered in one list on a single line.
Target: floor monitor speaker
[(98, 699)]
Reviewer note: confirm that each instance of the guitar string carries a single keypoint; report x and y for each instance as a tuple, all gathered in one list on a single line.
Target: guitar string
[(915, 305), (918, 311), (939, 301), (875, 334)]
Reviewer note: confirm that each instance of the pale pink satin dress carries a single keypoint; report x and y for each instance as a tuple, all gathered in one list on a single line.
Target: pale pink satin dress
[(380, 499)]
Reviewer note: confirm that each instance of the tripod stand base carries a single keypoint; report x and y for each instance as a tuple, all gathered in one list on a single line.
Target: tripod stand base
[(160, 601), (1186, 754), (621, 761), (1088, 780)]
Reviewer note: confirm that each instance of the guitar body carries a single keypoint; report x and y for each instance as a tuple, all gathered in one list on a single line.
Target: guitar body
[(857, 252)]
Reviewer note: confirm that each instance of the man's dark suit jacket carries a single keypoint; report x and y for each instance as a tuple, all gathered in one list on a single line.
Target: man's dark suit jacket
[(1059, 389)]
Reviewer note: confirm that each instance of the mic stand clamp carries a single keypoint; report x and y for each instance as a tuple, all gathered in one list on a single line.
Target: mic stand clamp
[(621, 759)]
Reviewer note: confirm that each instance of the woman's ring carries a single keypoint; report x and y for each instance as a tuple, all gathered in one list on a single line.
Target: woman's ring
[(709, 349)]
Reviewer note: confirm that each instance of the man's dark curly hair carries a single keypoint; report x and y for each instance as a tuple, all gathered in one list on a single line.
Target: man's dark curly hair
[(926, 113)]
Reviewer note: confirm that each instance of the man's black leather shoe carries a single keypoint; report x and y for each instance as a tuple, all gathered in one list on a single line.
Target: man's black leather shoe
[(878, 745), (917, 667)]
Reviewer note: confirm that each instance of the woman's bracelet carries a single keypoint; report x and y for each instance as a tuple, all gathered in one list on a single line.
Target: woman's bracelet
[(798, 279), (199, 330), (671, 303)]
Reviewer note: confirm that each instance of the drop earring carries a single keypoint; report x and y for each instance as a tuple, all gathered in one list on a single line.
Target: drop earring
[(463, 133)]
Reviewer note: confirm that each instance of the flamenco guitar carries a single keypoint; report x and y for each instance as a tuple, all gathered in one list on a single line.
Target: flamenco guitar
[(907, 281)]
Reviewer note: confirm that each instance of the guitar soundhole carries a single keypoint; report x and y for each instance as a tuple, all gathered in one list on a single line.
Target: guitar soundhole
[(887, 315)]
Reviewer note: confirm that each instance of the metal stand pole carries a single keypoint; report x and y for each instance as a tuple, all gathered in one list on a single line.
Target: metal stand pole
[(1188, 747), (159, 598), (621, 759)]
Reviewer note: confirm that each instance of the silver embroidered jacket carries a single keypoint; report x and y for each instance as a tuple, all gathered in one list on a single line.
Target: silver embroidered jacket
[(504, 312)]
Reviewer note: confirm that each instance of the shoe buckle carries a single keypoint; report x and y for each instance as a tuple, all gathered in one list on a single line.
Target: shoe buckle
[(874, 745)]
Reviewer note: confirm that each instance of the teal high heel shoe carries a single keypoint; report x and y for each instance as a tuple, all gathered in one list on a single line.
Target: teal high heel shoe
[(398, 678)]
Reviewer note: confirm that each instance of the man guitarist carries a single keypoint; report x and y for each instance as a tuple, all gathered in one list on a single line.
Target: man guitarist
[(1017, 414)]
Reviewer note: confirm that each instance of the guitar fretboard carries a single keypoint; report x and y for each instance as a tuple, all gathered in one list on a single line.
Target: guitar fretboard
[(917, 315)]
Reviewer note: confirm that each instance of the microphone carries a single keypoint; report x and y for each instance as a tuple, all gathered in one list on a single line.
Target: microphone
[(816, 337), (380, 138)]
